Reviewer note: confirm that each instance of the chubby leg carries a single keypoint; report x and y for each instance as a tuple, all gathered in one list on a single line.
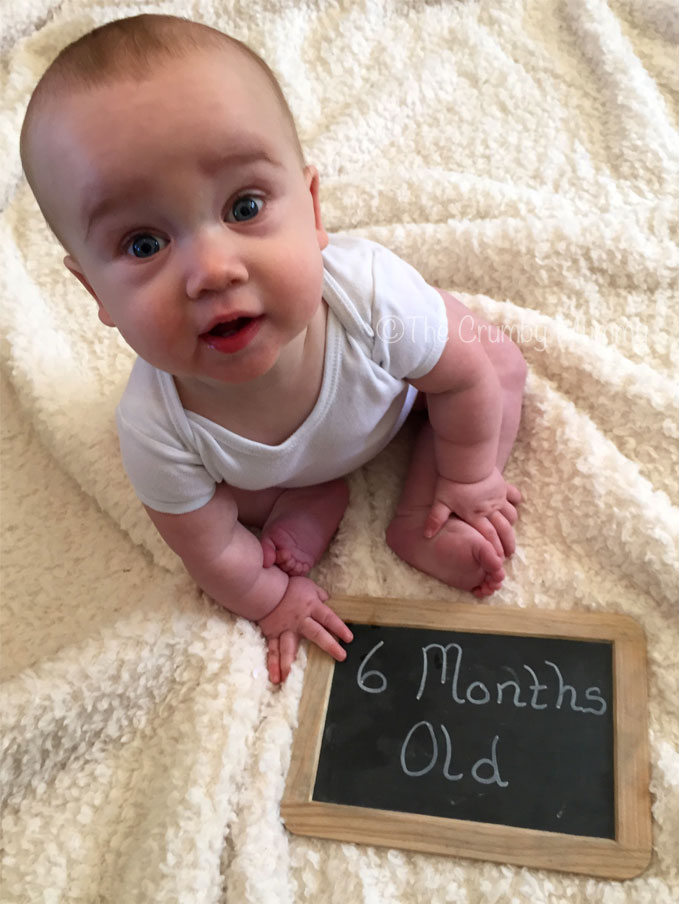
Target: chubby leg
[(507, 360), (458, 555), (297, 524)]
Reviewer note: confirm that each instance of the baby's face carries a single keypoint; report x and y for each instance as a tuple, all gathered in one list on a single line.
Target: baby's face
[(189, 215)]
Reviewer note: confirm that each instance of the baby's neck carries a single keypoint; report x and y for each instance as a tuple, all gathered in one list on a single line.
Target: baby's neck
[(271, 407)]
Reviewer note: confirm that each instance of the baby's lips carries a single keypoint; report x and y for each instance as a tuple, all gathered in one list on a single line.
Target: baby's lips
[(233, 341)]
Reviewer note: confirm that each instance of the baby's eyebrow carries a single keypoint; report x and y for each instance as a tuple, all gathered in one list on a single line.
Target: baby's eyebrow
[(103, 203), (217, 161)]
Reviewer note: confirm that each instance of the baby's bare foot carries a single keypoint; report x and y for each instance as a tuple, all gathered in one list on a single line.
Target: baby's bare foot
[(292, 549), (458, 555), (301, 525)]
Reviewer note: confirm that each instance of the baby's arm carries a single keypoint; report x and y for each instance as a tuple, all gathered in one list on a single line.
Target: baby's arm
[(464, 398), (225, 560)]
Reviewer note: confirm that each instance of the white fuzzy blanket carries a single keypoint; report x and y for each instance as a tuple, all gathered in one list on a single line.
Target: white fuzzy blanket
[(523, 154)]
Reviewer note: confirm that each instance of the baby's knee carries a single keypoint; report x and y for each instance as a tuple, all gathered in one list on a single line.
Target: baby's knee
[(518, 366), (339, 489), (509, 363), (402, 531), (394, 537)]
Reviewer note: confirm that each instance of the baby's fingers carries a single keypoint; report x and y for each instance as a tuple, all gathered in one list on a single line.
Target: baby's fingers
[(288, 644), (332, 623), (509, 512), (437, 517), (505, 532), (280, 656), (513, 494), (487, 530), (273, 662), (316, 633)]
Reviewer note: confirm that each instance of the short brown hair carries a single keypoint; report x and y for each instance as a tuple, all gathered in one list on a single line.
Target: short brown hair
[(129, 48)]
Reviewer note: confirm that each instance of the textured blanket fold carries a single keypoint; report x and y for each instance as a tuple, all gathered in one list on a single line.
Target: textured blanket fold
[(521, 153)]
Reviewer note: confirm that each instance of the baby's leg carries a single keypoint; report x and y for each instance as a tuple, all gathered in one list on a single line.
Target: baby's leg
[(458, 555), (509, 365), (297, 524)]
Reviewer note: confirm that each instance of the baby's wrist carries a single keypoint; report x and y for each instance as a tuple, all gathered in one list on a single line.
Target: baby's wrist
[(464, 464), (465, 482), (261, 598), (271, 588)]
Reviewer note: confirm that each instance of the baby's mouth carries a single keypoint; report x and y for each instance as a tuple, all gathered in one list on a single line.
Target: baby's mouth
[(231, 336), (228, 327)]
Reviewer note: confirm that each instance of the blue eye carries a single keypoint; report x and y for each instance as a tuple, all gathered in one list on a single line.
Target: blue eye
[(144, 245), (245, 208)]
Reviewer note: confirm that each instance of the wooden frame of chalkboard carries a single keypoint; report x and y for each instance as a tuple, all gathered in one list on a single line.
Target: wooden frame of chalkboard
[(622, 856)]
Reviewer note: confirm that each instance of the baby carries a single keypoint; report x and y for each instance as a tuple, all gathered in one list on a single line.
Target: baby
[(273, 358)]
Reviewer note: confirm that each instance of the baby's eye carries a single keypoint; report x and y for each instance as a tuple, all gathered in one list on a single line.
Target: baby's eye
[(245, 208), (144, 244)]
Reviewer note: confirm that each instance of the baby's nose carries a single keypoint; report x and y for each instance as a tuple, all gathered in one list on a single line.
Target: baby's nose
[(213, 262)]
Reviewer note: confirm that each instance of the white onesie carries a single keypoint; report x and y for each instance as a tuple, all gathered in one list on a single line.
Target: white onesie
[(385, 325)]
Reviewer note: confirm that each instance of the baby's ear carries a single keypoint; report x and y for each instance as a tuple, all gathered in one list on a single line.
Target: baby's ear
[(312, 180), (72, 265)]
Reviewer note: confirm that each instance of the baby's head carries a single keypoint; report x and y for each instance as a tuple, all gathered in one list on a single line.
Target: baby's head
[(165, 159)]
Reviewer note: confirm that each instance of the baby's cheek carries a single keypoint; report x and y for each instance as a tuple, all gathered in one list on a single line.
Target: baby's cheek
[(300, 280)]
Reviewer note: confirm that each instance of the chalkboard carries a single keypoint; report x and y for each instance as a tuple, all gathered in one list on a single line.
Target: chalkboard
[(413, 723), (479, 731)]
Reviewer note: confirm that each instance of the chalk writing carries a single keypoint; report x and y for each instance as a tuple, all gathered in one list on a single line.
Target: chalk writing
[(491, 761), (591, 693), (479, 693), (509, 729), (362, 674)]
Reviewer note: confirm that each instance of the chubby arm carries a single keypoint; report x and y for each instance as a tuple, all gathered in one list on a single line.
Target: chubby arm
[(222, 556), (464, 398), (226, 561)]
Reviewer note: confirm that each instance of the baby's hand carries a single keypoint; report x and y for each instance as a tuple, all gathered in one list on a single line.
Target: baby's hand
[(474, 503), (301, 613)]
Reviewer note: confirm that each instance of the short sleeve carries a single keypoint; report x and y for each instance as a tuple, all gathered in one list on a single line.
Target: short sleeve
[(408, 318), (165, 475), (166, 472)]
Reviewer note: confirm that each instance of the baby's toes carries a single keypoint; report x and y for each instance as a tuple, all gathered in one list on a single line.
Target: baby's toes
[(299, 570), (288, 562), (486, 587), (268, 552)]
